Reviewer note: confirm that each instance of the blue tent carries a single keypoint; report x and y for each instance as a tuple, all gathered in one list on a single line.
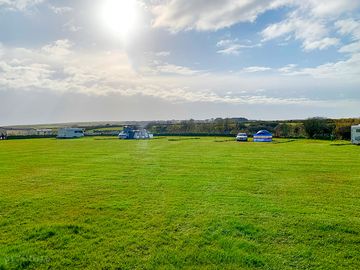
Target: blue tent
[(127, 133), (263, 136), (130, 133)]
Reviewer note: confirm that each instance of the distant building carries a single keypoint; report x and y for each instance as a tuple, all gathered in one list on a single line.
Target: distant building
[(355, 134), (129, 133), (69, 133), (44, 132), (21, 132), (26, 132), (263, 136)]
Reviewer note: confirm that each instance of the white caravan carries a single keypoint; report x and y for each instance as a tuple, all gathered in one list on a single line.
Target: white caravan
[(68, 133), (355, 134)]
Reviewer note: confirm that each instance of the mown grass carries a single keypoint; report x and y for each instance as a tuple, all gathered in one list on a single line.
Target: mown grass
[(175, 203)]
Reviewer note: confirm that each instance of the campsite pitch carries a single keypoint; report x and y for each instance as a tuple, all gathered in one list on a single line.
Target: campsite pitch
[(179, 203)]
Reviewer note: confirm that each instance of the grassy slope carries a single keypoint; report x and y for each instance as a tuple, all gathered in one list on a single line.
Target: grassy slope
[(207, 203)]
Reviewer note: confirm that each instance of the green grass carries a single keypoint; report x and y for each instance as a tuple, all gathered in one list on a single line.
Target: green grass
[(179, 203)]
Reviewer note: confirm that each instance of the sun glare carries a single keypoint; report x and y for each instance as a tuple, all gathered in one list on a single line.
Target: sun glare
[(119, 16)]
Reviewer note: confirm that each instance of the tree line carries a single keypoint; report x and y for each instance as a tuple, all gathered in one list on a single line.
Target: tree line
[(314, 128)]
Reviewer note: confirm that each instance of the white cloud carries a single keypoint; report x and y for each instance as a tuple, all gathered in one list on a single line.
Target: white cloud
[(308, 21), (349, 27), (321, 44), (288, 68), (60, 10), (58, 48), (255, 69), (21, 5), (71, 26), (175, 69), (203, 15), (56, 67), (233, 46), (312, 32), (1, 50), (163, 53), (351, 48), (24, 76), (345, 70), (329, 8), (352, 28)]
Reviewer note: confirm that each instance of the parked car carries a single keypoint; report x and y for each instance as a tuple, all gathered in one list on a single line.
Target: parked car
[(242, 137)]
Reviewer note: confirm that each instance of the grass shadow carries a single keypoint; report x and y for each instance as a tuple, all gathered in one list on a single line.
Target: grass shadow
[(229, 140), (288, 141), (341, 144), (106, 139), (183, 139)]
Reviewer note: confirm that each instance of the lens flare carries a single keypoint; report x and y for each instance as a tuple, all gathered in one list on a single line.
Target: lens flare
[(119, 16)]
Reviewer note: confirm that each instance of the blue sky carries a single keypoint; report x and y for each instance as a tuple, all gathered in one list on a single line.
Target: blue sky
[(84, 60)]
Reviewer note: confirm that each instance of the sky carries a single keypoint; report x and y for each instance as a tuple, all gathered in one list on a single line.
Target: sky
[(116, 60)]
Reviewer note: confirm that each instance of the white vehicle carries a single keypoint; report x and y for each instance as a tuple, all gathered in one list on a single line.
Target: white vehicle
[(242, 137), (355, 134), (69, 133)]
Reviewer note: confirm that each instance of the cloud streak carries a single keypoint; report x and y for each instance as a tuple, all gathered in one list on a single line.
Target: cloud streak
[(205, 15), (308, 21), (233, 46), (20, 5)]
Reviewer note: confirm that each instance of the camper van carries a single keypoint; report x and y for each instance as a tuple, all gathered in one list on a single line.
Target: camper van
[(69, 133), (355, 134)]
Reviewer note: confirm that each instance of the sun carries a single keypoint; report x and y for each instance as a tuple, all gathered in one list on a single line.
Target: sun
[(119, 16)]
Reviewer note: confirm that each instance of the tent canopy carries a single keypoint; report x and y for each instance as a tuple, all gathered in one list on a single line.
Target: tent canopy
[(263, 133)]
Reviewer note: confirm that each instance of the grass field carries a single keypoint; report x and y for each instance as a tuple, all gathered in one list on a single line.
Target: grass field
[(179, 203)]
